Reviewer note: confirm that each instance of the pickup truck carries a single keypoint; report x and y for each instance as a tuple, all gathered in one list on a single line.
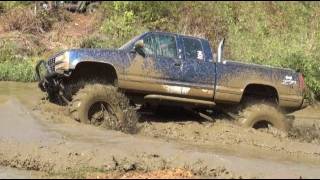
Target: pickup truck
[(101, 86)]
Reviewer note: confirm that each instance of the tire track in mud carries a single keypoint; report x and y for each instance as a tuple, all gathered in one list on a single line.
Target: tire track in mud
[(227, 133)]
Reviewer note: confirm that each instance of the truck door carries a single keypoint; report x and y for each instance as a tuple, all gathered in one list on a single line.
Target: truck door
[(166, 63), (198, 68), (160, 69)]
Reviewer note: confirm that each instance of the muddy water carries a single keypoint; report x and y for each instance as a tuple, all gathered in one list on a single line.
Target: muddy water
[(28, 93), (10, 173), (40, 136)]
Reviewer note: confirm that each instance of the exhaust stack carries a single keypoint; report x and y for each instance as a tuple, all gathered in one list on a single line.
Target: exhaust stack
[(220, 50)]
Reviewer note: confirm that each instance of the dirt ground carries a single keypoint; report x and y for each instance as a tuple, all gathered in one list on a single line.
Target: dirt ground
[(40, 137)]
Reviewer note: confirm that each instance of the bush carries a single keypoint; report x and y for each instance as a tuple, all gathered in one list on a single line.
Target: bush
[(121, 28), (7, 5), (92, 42), (19, 44), (309, 68), (7, 51), (27, 21), (14, 67)]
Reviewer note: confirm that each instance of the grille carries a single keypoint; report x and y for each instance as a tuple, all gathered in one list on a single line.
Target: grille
[(51, 64)]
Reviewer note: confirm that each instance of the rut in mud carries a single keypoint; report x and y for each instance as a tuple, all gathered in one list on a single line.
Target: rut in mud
[(179, 118)]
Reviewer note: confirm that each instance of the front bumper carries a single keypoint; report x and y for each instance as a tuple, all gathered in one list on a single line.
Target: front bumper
[(50, 81)]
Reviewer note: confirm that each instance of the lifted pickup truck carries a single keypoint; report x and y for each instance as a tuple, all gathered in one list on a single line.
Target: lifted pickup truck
[(101, 85)]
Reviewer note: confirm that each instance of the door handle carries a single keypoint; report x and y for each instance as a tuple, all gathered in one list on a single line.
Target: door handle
[(177, 64)]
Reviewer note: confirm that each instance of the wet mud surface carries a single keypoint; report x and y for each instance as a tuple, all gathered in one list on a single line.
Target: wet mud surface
[(10, 173), (38, 136)]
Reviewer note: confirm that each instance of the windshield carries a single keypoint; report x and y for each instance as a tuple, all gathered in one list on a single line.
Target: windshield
[(127, 45)]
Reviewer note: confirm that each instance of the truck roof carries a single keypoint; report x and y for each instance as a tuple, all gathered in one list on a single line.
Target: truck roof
[(177, 34)]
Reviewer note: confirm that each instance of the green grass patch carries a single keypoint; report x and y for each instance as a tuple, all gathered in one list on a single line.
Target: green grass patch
[(22, 71)]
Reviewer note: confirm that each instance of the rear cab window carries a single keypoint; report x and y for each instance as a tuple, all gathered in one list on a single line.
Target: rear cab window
[(193, 49)]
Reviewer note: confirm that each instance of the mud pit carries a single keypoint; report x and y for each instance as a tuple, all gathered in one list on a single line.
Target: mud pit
[(39, 136)]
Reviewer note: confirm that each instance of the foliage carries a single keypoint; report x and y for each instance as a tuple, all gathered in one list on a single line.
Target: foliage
[(14, 67), (7, 52), (92, 42), (6, 5), (23, 71), (26, 20)]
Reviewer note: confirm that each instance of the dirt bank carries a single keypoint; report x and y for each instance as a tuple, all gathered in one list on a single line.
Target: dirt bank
[(36, 135)]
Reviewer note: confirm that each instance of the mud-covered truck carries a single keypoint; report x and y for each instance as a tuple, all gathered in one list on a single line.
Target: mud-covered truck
[(101, 86)]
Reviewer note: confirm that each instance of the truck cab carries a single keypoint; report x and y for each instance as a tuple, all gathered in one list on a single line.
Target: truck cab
[(172, 64)]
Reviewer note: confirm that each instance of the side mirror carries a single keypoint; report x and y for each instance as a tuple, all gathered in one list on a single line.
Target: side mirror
[(138, 47), (220, 50)]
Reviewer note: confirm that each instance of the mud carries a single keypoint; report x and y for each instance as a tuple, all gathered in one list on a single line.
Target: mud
[(38, 136), (10, 173)]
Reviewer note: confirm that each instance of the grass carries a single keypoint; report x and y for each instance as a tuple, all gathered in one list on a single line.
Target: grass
[(22, 71)]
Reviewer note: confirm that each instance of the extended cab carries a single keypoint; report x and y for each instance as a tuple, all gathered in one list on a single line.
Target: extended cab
[(166, 67)]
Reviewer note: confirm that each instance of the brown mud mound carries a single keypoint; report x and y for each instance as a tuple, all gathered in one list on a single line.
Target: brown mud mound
[(163, 174), (154, 165), (142, 169)]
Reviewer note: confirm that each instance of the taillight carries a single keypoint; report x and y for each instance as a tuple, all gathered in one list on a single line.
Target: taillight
[(301, 82)]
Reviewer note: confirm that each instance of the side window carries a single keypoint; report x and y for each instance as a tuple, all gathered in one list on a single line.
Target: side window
[(167, 46), (193, 49), (160, 45), (150, 45)]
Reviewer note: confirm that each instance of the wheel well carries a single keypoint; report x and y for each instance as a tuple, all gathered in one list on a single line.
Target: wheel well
[(96, 71), (262, 124), (260, 92)]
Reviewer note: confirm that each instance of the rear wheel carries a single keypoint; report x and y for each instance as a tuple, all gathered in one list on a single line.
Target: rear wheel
[(103, 105), (263, 116)]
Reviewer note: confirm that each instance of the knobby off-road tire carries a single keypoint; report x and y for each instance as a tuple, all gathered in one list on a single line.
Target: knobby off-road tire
[(103, 105), (260, 115)]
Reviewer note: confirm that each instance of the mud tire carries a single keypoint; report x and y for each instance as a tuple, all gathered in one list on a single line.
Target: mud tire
[(263, 113), (124, 117), (55, 99)]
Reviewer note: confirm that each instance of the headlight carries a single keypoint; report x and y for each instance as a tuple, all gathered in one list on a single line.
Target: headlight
[(62, 62)]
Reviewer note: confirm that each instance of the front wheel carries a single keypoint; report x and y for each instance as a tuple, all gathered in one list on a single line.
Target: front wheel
[(262, 116), (103, 105)]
